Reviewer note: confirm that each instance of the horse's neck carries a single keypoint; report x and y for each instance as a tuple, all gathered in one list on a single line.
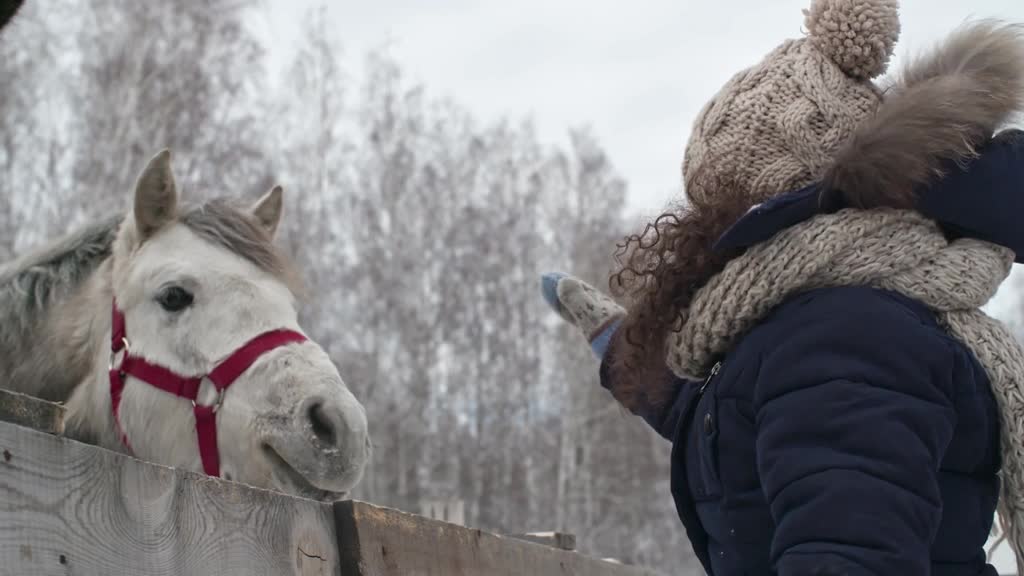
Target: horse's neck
[(85, 328), (63, 350), (51, 317)]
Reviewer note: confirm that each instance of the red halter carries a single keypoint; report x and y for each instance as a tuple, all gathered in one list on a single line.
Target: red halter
[(222, 376)]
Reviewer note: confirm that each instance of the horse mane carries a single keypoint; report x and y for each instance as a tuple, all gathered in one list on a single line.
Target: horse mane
[(225, 224), (31, 284), (30, 288)]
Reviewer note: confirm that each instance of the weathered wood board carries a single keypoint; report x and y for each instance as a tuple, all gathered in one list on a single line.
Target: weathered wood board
[(554, 539), (374, 541), (32, 412), (71, 508)]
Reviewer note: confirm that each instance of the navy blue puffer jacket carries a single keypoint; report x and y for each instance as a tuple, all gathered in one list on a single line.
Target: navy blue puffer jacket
[(846, 434)]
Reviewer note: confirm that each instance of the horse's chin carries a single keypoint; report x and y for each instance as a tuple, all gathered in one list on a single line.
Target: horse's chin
[(290, 481)]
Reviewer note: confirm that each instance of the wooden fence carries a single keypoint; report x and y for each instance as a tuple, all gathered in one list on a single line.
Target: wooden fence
[(72, 508)]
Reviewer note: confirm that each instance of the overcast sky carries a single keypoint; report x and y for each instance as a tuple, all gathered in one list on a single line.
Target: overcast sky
[(637, 71)]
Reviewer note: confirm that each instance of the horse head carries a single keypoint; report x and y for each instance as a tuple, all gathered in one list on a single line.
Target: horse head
[(203, 364)]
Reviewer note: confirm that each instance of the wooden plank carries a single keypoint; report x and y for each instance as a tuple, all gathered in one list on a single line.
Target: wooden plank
[(377, 541), (72, 508), (553, 539), (30, 411)]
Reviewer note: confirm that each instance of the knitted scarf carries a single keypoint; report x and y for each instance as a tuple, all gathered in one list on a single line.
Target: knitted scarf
[(895, 250)]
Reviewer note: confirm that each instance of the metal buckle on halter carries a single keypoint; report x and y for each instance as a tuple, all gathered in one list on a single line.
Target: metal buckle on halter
[(216, 404), (124, 354)]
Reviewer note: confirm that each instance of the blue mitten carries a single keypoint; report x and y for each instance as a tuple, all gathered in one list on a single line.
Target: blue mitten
[(583, 306)]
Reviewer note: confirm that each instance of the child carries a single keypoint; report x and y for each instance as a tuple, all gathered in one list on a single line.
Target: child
[(807, 330)]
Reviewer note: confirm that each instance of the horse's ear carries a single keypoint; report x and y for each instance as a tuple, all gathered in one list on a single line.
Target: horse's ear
[(156, 197), (267, 210)]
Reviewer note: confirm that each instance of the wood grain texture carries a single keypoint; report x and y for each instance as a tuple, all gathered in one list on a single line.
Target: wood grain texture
[(554, 539), (72, 508), (32, 412), (377, 541)]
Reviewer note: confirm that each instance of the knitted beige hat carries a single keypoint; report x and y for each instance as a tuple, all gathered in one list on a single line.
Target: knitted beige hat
[(776, 126)]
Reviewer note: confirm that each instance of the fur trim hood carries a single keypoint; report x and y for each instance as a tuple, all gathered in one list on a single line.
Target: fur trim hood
[(940, 109)]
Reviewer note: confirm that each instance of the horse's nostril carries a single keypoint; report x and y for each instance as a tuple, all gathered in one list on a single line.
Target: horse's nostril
[(322, 426)]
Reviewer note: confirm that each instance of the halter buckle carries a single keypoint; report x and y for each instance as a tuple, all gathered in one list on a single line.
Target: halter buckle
[(216, 403), (124, 354)]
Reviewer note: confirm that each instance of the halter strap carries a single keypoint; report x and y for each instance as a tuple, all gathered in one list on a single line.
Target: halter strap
[(222, 376)]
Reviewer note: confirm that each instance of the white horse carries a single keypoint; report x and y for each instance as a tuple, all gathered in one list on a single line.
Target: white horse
[(172, 334)]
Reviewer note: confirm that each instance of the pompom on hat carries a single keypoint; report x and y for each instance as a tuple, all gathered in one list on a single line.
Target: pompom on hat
[(857, 35)]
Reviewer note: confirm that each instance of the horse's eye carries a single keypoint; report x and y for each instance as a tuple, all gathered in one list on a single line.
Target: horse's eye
[(174, 299)]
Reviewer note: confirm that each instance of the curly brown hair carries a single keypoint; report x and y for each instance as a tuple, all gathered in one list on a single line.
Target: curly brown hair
[(659, 272)]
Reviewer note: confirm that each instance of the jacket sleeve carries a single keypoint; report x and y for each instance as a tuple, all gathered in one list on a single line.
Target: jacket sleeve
[(662, 419), (853, 418)]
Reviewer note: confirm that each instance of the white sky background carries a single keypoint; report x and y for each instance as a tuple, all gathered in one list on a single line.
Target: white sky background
[(637, 72)]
